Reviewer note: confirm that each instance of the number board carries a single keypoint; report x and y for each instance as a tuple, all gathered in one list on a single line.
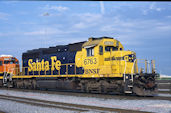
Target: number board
[(108, 43), (90, 61)]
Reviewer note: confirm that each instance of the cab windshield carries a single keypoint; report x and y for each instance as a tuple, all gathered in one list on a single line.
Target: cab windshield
[(10, 62), (110, 48)]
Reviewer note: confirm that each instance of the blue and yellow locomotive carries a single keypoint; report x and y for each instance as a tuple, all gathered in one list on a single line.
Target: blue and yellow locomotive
[(98, 65)]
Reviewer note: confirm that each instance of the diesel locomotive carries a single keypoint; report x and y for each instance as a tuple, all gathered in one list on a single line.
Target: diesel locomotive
[(99, 65)]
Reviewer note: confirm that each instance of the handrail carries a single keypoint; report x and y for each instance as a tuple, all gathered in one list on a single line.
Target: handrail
[(125, 70), (132, 70), (45, 71), (148, 66)]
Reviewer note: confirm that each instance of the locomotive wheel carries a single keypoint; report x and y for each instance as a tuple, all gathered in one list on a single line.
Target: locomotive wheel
[(87, 90), (33, 84), (19, 84), (9, 84), (103, 89), (83, 87), (25, 84)]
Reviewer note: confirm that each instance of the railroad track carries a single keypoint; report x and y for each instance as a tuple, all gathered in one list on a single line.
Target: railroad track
[(164, 86), (105, 96), (66, 106)]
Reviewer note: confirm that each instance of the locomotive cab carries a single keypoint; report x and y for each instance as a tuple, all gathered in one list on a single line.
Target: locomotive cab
[(105, 57), (9, 65)]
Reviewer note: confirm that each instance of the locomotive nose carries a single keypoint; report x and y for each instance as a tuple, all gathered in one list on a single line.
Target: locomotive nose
[(126, 59), (128, 56)]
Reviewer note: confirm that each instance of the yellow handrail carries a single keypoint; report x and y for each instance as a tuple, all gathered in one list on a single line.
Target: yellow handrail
[(45, 71)]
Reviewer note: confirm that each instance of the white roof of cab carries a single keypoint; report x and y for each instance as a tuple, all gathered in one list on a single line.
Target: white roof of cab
[(6, 56)]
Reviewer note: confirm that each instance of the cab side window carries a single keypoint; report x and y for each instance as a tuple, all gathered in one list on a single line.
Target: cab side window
[(110, 48), (6, 62), (16, 62), (101, 50), (90, 51), (0, 63)]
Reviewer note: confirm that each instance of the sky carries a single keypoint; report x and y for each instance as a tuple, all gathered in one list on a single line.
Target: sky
[(143, 27)]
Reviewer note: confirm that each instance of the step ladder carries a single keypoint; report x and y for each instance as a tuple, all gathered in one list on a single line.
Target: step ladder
[(5, 79), (128, 83), (128, 79)]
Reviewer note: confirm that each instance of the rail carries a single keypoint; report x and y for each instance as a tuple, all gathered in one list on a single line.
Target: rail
[(65, 105), (164, 86)]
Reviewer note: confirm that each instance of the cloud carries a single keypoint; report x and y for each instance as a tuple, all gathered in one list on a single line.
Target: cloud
[(102, 7), (3, 16), (38, 32), (10, 2), (45, 31), (130, 32), (164, 27), (89, 17), (120, 24), (86, 20), (135, 32), (49, 31), (56, 8), (6, 34), (35, 33), (80, 25), (168, 16), (152, 7)]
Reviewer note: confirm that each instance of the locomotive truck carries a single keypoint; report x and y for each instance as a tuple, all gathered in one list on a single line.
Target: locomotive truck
[(99, 65)]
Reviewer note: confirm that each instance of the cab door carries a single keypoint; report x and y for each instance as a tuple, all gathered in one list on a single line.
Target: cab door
[(106, 68), (101, 55), (107, 55)]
